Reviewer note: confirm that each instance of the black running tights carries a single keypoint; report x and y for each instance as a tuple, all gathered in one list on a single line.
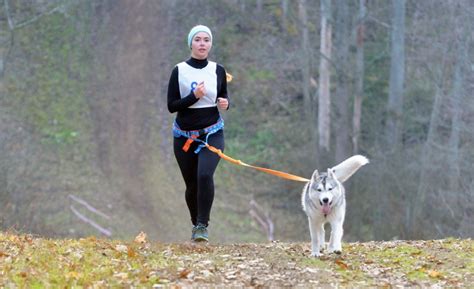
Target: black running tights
[(198, 174)]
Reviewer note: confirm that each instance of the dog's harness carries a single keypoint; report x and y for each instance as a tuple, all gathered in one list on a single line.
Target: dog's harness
[(193, 135)]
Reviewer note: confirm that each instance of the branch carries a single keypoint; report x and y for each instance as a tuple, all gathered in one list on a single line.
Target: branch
[(262, 218), (23, 24), (439, 229), (266, 224), (104, 231), (89, 207), (11, 25), (7, 54), (378, 21)]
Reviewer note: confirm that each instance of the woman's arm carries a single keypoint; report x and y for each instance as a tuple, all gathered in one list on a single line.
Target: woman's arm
[(222, 87), (175, 102)]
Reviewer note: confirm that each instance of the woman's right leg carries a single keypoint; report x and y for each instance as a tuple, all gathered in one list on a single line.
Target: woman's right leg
[(188, 164)]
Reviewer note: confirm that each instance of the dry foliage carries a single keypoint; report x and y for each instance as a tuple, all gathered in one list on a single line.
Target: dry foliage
[(28, 261)]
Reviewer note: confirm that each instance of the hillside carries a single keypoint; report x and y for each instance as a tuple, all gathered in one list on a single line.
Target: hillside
[(32, 262), (85, 133)]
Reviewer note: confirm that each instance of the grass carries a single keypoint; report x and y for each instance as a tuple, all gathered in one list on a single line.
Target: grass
[(33, 262)]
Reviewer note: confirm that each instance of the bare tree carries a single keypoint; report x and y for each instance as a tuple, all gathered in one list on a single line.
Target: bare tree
[(305, 56), (284, 14), (262, 217), (342, 123), (259, 6), (456, 108), (324, 99), (397, 73), (444, 201), (359, 89)]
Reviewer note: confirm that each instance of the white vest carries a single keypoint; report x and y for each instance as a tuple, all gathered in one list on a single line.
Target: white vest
[(189, 77)]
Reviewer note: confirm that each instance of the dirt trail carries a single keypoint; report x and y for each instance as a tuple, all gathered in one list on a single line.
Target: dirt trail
[(442, 263), (126, 94), (29, 261)]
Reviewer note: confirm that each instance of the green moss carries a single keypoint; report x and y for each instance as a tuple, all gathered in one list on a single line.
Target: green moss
[(401, 254), (418, 274), (261, 75), (313, 262)]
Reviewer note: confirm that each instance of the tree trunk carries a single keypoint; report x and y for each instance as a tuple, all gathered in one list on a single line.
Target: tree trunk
[(306, 72), (397, 74), (284, 14), (359, 90), (456, 110), (259, 6), (342, 36), (416, 204), (242, 5), (441, 199), (324, 98), (305, 57)]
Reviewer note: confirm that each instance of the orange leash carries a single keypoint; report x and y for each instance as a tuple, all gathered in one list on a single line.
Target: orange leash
[(265, 170)]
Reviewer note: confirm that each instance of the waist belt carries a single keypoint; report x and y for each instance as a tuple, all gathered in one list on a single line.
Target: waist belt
[(192, 135)]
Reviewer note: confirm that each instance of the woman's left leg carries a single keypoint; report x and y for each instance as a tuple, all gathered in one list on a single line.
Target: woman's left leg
[(207, 165)]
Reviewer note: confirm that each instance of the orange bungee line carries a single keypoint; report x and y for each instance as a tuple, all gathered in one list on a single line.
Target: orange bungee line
[(265, 170)]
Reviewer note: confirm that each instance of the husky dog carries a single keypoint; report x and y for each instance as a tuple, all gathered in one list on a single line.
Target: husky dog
[(324, 201)]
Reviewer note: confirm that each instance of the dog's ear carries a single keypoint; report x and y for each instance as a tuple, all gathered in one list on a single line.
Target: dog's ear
[(332, 174), (315, 176)]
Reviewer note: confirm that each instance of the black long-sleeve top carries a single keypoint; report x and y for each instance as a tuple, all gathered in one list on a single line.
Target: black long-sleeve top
[(194, 118)]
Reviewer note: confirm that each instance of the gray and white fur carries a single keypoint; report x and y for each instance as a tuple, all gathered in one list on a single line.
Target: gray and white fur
[(324, 201)]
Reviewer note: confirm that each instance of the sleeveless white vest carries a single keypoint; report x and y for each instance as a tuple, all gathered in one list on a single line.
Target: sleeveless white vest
[(189, 77)]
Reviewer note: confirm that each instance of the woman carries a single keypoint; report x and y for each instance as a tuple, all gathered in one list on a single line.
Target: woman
[(196, 91)]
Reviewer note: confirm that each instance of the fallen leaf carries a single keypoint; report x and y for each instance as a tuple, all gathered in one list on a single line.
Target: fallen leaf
[(131, 252), (184, 273), (121, 248), (434, 274), (121, 275), (141, 238), (341, 264), (73, 275)]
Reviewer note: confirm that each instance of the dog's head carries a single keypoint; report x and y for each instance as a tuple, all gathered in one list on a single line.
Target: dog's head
[(325, 191)]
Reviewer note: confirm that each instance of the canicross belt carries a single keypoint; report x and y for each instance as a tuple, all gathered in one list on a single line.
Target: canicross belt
[(192, 135)]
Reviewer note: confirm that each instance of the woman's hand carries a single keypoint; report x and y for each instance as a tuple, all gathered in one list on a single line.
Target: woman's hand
[(200, 90), (222, 103)]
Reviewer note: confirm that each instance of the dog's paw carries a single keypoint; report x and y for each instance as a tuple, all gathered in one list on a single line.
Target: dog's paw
[(316, 254), (336, 251)]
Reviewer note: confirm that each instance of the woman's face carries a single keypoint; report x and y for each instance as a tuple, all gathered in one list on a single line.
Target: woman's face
[(201, 45)]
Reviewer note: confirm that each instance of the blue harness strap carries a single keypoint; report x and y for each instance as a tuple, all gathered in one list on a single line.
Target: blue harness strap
[(193, 135)]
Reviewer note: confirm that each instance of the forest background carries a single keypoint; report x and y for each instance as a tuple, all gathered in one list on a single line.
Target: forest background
[(85, 134)]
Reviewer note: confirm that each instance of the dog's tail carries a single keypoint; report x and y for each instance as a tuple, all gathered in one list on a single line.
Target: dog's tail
[(347, 168)]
